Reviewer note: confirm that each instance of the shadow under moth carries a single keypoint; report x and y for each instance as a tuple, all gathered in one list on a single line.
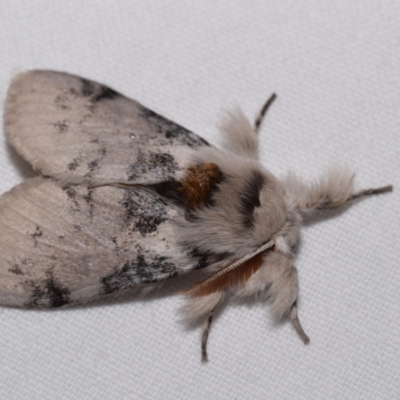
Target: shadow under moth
[(125, 198)]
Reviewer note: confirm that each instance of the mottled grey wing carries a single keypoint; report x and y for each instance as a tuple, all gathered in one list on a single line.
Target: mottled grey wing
[(62, 245), (79, 130)]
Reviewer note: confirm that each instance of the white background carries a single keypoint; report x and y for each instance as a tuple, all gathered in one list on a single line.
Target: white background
[(336, 68)]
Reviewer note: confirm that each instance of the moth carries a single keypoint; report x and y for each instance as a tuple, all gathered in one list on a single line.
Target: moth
[(125, 198)]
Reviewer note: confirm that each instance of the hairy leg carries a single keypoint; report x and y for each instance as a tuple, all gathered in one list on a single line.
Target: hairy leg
[(206, 330), (296, 324)]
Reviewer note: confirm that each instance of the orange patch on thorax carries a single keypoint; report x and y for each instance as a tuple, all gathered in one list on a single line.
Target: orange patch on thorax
[(198, 183)]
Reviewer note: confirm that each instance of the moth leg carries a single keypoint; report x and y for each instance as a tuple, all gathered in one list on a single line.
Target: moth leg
[(294, 318), (204, 338), (263, 111), (362, 193)]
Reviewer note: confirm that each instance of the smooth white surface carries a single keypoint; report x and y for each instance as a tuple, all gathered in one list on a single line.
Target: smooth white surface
[(336, 69)]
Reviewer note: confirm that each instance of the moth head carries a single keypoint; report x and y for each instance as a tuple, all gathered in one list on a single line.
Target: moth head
[(262, 203), (266, 212), (233, 204)]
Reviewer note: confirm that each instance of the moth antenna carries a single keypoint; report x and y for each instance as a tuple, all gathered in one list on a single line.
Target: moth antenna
[(204, 338), (263, 111), (362, 193), (294, 318)]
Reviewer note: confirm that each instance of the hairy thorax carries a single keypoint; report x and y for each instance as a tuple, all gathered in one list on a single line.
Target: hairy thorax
[(230, 202)]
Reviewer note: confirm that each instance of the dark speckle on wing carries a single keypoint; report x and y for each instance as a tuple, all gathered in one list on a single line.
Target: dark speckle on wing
[(92, 165), (72, 197), (37, 234), (138, 271), (142, 212), (48, 293), (74, 164), (162, 163), (61, 126), (88, 197), (88, 87), (105, 93), (97, 92), (61, 102), (175, 133), (148, 224), (15, 269)]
